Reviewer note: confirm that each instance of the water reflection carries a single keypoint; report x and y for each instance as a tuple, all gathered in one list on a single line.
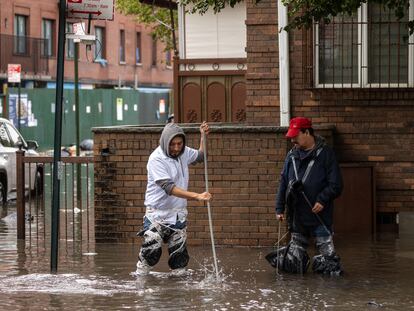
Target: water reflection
[(99, 277)]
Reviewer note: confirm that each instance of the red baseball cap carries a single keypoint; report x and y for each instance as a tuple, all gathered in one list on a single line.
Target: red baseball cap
[(296, 124)]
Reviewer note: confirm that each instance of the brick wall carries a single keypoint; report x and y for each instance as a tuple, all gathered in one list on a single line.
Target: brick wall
[(368, 130), (262, 77), (372, 126), (244, 167)]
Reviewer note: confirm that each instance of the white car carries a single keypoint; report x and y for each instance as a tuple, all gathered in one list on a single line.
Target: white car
[(10, 139)]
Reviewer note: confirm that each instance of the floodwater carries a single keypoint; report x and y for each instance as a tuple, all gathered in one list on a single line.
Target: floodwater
[(379, 275)]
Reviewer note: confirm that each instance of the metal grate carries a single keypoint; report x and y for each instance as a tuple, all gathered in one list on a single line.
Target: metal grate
[(371, 49)]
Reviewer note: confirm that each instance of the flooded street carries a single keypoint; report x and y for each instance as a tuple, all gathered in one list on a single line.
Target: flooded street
[(379, 275)]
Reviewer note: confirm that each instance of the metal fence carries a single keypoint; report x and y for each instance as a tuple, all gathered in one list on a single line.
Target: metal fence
[(371, 49), (34, 199), (27, 51)]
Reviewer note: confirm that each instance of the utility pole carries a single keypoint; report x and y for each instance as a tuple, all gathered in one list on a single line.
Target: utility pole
[(78, 166)]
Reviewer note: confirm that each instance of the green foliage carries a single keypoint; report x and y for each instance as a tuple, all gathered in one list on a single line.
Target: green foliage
[(304, 12), (149, 16), (202, 6)]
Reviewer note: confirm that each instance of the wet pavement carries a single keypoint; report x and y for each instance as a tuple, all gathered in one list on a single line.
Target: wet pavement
[(379, 275)]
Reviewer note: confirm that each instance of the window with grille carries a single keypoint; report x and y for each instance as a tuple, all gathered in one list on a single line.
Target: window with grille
[(369, 49)]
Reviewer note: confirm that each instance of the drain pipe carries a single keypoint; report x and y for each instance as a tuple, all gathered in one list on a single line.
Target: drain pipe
[(284, 76), (181, 30)]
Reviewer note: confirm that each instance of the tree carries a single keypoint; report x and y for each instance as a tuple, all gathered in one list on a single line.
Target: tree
[(304, 12), (151, 16)]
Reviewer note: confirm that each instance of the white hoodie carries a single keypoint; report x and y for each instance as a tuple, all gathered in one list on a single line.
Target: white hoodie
[(161, 207)]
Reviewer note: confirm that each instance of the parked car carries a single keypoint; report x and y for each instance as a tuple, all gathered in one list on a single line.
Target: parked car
[(10, 140)]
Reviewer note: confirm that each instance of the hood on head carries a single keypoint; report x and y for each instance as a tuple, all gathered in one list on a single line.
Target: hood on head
[(170, 131)]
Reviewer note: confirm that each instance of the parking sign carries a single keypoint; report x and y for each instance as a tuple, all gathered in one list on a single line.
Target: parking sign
[(14, 73)]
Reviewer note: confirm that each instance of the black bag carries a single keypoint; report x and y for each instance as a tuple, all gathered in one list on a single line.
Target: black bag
[(289, 259), (293, 191)]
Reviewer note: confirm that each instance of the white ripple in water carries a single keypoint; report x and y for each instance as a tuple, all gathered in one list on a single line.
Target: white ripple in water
[(63, 284)]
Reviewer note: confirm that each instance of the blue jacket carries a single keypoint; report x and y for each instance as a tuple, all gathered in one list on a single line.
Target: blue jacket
[(323, 184)]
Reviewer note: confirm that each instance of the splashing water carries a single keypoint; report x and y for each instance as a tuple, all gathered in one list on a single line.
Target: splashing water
[(63, 284)]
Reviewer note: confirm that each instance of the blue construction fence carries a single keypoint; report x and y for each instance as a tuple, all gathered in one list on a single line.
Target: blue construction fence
[(97, 107)]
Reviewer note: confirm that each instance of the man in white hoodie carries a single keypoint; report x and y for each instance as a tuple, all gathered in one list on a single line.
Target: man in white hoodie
[(166, 197)]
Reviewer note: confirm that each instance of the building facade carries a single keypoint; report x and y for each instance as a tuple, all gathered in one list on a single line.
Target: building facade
[(356, 74), (352, 77), (124, 53)]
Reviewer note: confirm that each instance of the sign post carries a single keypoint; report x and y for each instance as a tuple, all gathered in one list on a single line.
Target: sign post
[(57, 164), (14, 76)]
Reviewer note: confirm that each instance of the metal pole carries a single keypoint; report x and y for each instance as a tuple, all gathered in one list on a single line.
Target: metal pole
[(6, 101), (57, 164), (278, 244), (21, 235), (210, 222), (19, 107), (78, 166)]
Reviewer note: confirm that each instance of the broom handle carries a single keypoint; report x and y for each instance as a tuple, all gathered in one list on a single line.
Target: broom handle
[(210, 222)]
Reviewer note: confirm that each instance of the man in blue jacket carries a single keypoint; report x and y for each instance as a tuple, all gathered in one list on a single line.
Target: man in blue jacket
[(310, 181)]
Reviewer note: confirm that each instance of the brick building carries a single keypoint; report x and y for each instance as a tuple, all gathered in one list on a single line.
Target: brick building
[(353, 77), (356, 73), (124, 54)]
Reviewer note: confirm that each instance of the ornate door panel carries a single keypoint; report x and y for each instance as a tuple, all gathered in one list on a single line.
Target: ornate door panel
[(191, 103), (216, 102), (238, 99)]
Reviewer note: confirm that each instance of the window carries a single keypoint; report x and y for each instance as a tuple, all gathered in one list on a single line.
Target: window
[(100, 43), (154, 52), (387, 46), (20, 33), (369, 49), (70, 45), (168, 58), (14, 135), (122, 46), (138, 56), (4, 137), (47, 36)]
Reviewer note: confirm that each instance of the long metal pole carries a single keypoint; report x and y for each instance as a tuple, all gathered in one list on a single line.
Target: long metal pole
[(78, 166), (77, 95), (19, 106), (57, 164), (278, 244), (210, 222)]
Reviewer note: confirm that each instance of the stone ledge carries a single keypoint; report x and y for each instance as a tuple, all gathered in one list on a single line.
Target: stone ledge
[(194, 128)]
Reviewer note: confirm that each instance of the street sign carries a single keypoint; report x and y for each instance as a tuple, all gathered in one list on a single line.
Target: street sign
[(97, 9), (13, 73)]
